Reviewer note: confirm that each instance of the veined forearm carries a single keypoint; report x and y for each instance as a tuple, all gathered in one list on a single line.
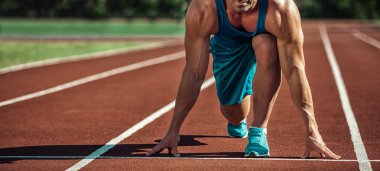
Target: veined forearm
[(302, 98), (293, 64), (188, 93)]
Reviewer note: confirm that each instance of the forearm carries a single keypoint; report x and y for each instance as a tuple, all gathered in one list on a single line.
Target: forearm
[(293, 64), (188, 93), (302, 98), (197, 46)]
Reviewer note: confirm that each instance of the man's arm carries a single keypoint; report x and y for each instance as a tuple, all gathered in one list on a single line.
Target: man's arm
[(199, 26), (290, 47)]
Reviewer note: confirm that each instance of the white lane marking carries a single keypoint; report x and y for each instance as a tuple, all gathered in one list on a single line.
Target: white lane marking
[(356, 138), (363, 37), (112, 143), (181, 158), (95, 55), (95, 77)]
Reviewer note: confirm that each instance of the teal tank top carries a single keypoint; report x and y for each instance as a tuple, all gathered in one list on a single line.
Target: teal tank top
[(230, 36)]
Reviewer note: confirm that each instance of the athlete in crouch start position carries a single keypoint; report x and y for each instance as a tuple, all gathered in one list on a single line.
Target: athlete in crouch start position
[(251, 41)]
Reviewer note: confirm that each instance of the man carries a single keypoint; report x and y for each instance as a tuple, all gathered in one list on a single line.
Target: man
[(246, 34)]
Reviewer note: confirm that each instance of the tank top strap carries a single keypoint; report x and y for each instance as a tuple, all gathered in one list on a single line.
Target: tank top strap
[(221, 16), (262, 17)]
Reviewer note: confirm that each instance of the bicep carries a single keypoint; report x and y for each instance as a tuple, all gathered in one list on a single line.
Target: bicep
[(199, 26), (197, 54), (290, 44)]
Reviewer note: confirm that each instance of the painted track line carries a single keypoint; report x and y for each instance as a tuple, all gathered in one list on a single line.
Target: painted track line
[(363, 37), (131, 67), (94, 55), (359, 148), (112, 143), (183, 158)]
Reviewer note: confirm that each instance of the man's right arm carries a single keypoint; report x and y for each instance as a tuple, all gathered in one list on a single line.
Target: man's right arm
[(200, 25)]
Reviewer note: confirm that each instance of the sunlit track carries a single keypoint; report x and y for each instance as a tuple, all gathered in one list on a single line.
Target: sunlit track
[(359, 148), (95, 77), (88, 56), (131, 131), (111, 124), (365, 38)]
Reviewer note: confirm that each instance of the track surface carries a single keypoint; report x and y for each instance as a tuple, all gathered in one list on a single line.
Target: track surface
[(77, 121)]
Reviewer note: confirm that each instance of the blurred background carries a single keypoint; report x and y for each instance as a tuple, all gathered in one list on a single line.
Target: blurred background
[(37, 20), (171, 9)]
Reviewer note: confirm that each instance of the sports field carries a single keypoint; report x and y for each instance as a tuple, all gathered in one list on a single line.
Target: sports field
[(106, 113), (25, 28), (13, 53), (23, 41)]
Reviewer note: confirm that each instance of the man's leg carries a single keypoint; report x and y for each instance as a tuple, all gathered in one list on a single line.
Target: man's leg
[(266, 83), (267, 78), (237, 112)]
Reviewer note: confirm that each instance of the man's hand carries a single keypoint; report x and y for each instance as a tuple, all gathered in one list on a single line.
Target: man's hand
[(170, 141), (314, 144)]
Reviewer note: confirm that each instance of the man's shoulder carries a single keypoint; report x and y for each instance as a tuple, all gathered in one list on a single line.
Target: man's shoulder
[(201, 17), (282, 6), (284, 18), (203, 7)]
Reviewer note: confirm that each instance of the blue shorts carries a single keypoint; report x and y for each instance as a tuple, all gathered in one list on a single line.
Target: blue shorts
[(234, 69)]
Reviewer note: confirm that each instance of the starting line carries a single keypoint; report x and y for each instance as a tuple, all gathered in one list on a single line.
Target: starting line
[(183, 158)]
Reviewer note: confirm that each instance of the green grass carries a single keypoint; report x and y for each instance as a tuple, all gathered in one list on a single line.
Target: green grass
[(86, 28), (12, 53)]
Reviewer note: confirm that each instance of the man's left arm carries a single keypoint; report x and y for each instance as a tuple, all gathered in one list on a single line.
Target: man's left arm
[(290, 47)]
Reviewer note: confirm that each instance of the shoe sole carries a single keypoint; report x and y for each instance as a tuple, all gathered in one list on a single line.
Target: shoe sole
[(253, 155)]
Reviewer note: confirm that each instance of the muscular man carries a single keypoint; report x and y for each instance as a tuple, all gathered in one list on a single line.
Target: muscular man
[(252, 40)]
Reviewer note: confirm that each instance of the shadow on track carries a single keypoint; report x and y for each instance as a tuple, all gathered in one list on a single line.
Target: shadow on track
[(122, 151), (64, 152)]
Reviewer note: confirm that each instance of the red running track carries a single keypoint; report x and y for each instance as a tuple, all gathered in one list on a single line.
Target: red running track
[(77, 121)]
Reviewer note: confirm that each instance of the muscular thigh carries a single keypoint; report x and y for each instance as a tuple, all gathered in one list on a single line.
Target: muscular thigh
[(266, 52)]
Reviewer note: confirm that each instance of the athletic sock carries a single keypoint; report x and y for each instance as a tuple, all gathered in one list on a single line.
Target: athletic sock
[(264, 129)]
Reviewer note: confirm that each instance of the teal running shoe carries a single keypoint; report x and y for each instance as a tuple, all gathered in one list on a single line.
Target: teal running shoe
[(257, 143), (238, 131)]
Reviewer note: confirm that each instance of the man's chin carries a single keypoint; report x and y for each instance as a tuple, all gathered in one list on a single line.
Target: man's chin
[(242, 9)]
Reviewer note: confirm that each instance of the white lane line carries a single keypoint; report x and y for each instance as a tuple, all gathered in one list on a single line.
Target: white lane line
[(356, 138), (112, 143), (95, 55), (182, 158), (363, 37), (95, 77)]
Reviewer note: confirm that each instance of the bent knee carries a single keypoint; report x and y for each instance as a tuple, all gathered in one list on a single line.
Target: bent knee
[(235, 113)]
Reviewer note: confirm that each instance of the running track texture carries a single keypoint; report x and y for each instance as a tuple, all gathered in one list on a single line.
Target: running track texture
[(108, 121)]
